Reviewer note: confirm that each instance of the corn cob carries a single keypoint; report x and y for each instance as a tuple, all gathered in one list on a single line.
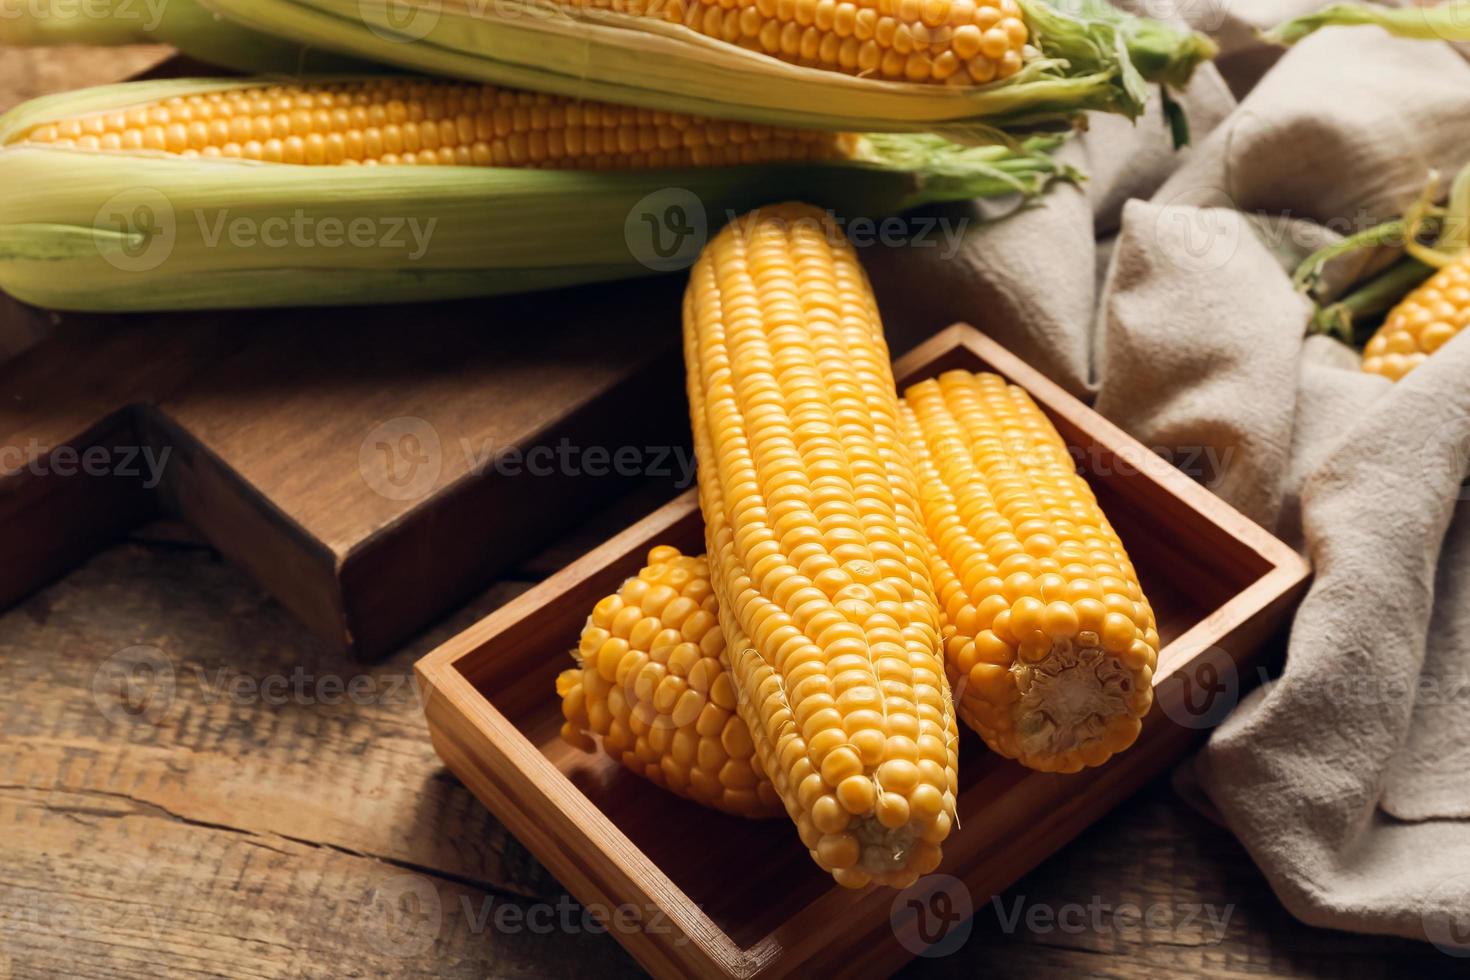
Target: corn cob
[(1423, 298), (857, 65), (1049, 642), (1422, 322), (126, 197), (955, 41), (1115, 688), (817, 551), (391, 121), (652, 683)]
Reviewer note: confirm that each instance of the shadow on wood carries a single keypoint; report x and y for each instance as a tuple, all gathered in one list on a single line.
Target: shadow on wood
[(370, 468)]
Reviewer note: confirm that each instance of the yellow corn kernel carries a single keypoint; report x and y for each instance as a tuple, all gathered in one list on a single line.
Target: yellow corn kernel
[(912, 40), (1049, 642), (658, 681), (1422, 323), (390, 121), (817, 550)]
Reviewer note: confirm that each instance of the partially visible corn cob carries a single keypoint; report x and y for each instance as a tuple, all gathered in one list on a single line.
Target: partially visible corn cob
[(130, 197), (962, 42), (830, 64), (414, 121), (1049, 642), (653, 685), (816, 546), (1422, 323)]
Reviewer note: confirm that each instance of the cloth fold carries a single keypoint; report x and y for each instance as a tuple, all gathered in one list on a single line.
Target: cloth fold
[(1348, 776)]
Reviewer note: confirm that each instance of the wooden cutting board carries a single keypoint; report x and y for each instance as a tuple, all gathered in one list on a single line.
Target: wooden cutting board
[(370, 467)]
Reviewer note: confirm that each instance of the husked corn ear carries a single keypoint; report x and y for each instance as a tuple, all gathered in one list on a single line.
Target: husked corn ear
[(1422, 323), (963, 42), (967, 67), (653, 685), (1049, 642), (816, 546), (408, 121)]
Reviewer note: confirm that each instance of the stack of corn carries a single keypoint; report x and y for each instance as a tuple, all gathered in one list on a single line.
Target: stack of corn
[(878, 568), (873, 562), (126, 197)]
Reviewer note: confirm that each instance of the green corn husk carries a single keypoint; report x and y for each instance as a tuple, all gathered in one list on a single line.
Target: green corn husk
[(1085, 60), (1441, 22), (1442, 231), (180, 23), (121, 231)]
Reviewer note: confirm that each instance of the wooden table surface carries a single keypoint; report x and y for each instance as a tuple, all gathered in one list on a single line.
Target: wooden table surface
[(258, 807)]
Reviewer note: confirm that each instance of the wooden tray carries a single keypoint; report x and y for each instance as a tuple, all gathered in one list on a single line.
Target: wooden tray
[(712, 896)]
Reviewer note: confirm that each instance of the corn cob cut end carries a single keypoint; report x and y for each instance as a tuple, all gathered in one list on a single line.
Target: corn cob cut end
[(1050, 644), (652, 685), (1426, 320)]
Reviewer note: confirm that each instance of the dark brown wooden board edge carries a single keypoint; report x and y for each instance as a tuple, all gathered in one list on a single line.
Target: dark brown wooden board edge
[(453, 570), (41, 547)]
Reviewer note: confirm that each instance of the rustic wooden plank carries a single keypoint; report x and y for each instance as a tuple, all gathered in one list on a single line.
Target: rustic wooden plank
[(1212, 913), (190, 820), (369, 475), (266, 734), (112, 887)]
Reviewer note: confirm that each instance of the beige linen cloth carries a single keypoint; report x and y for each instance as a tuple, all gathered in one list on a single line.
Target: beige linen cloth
[(1161, 290)]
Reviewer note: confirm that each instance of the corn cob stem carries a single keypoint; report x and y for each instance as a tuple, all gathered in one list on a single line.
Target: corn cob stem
[(1351, 319)]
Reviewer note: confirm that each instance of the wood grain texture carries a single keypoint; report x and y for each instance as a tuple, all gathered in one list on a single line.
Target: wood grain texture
[(370, 467), (370, 476), (1220, 586), (131, 851)]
